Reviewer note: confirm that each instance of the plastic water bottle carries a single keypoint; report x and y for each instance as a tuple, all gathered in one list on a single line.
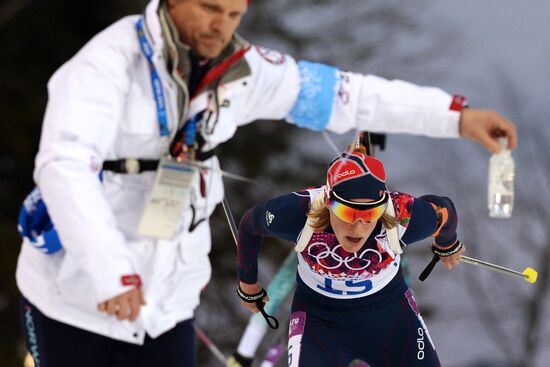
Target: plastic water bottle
[(500, 196)]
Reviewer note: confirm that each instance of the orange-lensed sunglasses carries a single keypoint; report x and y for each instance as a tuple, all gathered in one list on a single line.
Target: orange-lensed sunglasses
[(349, 212)]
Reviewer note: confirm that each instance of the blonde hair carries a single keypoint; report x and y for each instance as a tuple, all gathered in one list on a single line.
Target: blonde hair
[(319, 213)]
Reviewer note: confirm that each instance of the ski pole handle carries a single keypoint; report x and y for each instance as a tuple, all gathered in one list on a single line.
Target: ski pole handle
[(258, 300), (271, 321), (428, 270)]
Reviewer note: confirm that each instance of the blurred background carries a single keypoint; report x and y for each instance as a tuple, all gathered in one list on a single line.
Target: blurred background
[(496, 53)]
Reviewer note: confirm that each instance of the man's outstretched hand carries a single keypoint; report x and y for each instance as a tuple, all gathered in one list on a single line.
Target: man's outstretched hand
[(485, 126)]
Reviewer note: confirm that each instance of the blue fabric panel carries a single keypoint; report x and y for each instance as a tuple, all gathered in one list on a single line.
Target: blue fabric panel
[(36, 226), (313, 107)]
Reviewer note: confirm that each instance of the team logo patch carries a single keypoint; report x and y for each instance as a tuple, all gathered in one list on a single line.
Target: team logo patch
[(272, 56), (269, 217)]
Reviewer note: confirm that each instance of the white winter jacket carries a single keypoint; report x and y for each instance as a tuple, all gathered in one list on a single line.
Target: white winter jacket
[(101, 107)]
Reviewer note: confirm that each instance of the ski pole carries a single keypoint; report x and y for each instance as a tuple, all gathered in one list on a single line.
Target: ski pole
[(221, 172), (210, 345), (529, 274), (230, 219)]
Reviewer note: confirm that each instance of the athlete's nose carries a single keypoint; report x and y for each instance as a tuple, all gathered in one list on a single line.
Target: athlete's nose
[(358, 221)]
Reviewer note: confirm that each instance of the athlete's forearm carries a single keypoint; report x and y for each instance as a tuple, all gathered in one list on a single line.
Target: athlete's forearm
[(248, 248)]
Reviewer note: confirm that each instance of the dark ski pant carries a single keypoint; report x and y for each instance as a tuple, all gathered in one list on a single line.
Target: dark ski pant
[(55, 344), (384, 330)]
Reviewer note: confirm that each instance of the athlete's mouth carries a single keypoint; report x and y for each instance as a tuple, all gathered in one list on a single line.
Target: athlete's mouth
[(354, 239)]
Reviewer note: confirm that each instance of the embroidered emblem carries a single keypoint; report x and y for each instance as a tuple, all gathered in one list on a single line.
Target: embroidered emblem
[(272, 56), (269, 217)]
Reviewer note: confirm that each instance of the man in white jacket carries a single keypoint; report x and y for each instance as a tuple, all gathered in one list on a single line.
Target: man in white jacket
[(114, 277)]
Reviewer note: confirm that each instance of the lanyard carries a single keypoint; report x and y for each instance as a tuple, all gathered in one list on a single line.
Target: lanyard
[(156, 83), (190, 131)]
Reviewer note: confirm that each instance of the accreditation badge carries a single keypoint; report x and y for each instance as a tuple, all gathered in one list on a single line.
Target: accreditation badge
[(169, 196)]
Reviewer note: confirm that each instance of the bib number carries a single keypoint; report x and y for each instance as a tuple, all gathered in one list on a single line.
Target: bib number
[(349, 287)]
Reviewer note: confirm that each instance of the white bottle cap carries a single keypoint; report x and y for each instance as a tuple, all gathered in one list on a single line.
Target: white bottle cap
[(503, 142)]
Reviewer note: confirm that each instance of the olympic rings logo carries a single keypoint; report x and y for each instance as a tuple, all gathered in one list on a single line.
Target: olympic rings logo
[(325, 251)]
